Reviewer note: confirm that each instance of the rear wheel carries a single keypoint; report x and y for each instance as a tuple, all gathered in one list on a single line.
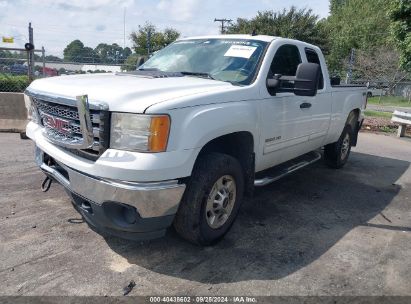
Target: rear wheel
[(212, 199), (336, 154)]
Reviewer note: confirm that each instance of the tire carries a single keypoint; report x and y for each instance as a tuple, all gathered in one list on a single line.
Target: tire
[(336, 154), (369, 94), (194, 219)]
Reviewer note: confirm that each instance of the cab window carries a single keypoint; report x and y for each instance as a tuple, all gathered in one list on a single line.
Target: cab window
[(286, 60), (312, 57)]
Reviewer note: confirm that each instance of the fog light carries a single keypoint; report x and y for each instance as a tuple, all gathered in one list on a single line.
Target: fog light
[(120, 214)]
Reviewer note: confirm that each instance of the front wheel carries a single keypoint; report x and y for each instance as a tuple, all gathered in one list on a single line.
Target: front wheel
[(336, 154), (212, 199)]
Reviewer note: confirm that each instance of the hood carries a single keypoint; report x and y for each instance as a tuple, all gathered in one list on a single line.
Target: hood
[(126, 92)]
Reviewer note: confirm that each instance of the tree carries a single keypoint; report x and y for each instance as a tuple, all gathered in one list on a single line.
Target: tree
[(131, 62), (379, 66), (111, 53), (400, 16), (158, 39), (74, 51), (53, 58), (358, 24), (88, 56), (335, 5), (294, 23)]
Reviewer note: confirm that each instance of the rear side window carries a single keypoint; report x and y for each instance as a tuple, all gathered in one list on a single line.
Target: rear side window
[(312, 57), (286, 60)]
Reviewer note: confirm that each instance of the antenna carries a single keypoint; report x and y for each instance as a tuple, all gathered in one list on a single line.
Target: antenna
[(124, 28)]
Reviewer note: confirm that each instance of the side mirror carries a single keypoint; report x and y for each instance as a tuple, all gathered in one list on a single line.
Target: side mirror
[(273, 83), (307, 79), (304, 83)]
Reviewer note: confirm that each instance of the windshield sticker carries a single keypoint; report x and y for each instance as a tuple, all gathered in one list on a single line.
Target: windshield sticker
[(240, 51), (236, 42)]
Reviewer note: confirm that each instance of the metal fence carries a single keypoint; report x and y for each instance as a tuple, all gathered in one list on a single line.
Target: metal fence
[(17, 70)]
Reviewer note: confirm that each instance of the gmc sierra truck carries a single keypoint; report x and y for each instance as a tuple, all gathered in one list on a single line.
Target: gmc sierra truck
[(181, 140)]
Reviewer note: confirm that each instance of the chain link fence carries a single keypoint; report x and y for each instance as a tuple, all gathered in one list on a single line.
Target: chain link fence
[(16, 71), (13, 71)]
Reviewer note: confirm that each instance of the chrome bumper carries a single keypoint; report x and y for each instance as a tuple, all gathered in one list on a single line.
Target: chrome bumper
[(150, 199)]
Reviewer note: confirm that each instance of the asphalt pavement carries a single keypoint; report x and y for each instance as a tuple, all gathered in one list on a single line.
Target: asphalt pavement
[(317, 232)]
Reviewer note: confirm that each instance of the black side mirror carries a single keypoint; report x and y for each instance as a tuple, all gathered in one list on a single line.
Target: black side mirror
[(273, 83), (307, 79), (305, 83)]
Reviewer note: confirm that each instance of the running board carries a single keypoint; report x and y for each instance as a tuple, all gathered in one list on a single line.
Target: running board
[(288, 167)]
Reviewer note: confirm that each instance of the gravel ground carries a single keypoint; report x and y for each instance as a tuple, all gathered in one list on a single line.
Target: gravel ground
[(317, 232), (381, 124)]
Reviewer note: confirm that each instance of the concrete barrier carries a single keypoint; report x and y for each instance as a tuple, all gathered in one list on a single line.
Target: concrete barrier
[(13, 112)]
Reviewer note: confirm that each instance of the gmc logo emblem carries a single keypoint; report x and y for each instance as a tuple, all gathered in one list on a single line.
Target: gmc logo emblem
[(56, 123)]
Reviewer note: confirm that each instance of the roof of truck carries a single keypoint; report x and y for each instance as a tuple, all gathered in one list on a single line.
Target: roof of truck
[(257, 37)]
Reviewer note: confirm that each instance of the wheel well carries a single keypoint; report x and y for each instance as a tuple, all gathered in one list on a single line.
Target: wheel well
[(353, 117), (239, 145), (352, 120)]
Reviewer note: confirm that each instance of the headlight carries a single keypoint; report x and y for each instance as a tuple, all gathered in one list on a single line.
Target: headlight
[(138, 132), (32, 113)]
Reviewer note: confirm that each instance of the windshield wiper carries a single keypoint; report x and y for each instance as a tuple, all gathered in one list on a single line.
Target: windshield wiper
[(149, 69), (199, 74)]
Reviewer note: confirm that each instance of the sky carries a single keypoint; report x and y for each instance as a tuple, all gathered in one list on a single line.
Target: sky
[(58, 22)]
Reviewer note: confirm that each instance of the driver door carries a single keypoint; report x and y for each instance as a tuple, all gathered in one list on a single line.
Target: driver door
[(286, 121)]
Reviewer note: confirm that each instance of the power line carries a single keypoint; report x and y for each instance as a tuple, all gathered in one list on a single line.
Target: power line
[(223, 21)]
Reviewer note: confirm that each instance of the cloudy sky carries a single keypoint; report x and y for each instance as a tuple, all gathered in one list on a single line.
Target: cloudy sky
[(57, 22)]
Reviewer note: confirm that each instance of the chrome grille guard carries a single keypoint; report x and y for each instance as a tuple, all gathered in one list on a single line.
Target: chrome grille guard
[(85, 122), (81, 105)]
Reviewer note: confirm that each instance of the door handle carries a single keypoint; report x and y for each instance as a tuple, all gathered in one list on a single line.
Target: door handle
[(305, 105)]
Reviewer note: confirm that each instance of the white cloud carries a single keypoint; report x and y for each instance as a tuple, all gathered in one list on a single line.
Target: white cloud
[(58, 22), (180, 10), (80, 5)]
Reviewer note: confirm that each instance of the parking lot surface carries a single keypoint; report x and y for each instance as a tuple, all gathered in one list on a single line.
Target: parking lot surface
[(317, 232)]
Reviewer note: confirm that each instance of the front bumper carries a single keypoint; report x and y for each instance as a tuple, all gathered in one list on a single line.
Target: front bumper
[(126, 209)]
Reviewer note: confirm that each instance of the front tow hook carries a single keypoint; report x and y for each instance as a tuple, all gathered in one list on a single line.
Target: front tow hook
[(45, 186)]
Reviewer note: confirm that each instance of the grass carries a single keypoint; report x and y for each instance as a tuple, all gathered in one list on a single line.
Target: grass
[(395, 101), (370, 113)]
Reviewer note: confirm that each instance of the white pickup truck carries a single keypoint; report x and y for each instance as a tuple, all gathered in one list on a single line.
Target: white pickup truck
[(183, 138)]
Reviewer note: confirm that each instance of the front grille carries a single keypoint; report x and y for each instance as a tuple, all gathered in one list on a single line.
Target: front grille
[(70, 135), (62, 111)]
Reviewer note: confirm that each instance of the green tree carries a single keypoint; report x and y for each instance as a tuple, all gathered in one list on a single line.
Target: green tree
[(74, 51), (53, 58), (335, 5), (88, 56), (400, 16), (131, 62), (112, 53), (294, 23), (158, 39), (358, 24)]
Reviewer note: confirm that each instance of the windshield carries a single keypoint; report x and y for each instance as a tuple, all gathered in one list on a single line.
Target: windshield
[(231, 60)]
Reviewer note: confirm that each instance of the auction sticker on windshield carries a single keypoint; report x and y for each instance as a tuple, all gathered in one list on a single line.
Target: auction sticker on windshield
[(241, 51)]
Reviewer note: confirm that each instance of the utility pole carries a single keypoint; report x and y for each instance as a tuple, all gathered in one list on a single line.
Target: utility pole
[(43, 57), (30, 63), (223, 21), (350, 66)]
